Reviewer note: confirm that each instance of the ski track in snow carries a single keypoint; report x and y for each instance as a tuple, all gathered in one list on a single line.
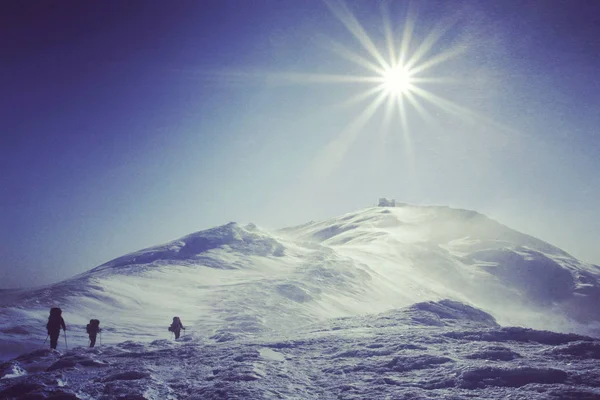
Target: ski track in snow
[(313, 312), (428, 351)]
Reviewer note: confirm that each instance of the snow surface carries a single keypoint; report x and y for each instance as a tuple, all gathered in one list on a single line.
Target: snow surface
[(431, 350), (238, 287)]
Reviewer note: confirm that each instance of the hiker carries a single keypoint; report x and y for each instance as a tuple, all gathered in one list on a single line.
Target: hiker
[(92, 329), (55, 322), (176, 327)]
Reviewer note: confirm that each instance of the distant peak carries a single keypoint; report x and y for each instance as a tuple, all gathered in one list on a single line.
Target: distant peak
[(384, 202)]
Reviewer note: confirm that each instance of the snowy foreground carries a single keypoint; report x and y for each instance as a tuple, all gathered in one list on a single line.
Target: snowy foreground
[(322, 310), (433, 350)]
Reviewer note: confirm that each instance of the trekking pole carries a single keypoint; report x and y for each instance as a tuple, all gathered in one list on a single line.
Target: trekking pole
[(66, 345), (100, 338), (44, 341)]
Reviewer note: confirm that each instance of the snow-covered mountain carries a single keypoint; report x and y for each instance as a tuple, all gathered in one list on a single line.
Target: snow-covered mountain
[(239, 284), (238, 280)]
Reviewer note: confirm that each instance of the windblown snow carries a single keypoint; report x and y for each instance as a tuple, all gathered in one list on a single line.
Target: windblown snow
[(377, 303)]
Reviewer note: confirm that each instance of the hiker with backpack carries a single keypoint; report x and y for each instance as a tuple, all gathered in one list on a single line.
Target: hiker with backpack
[(55, 322), (93, 328), (176, 327)]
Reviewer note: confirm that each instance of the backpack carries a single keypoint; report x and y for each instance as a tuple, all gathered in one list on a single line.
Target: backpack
[(54, 319), (176, 325), (93, 326)]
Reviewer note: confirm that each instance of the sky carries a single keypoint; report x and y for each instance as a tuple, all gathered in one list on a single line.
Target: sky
[(128, 124)]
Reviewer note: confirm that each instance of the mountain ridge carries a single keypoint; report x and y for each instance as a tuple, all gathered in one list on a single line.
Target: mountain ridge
[(240, 280)]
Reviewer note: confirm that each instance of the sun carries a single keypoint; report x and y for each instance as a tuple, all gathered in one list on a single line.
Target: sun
[(399, 75), (396, 81)]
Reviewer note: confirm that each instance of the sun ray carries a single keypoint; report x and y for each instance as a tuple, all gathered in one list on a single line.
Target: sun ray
[(407, 32), (430, 40), (387, 118), (439, 59), (423, 113), (389, 31), (359, 97), (335, 151), (298, 77), (345, 16), (386, 127), (368, 112), (431, 79), (352, 56), (403, 120), (407, 139), (446, 105)]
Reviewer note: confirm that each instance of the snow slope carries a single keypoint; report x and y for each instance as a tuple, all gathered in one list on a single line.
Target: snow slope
[(240, 282), (431, 350), (426, 253)]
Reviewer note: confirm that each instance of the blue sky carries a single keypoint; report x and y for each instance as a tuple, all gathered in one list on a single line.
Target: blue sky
[(128, 124)]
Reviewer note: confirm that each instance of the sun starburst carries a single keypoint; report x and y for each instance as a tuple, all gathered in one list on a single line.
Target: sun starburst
[(395, 78)]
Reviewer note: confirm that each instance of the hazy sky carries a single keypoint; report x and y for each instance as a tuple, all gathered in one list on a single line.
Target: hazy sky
[(125, 124)]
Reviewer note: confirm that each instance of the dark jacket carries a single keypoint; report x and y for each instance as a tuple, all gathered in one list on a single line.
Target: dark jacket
[(54, 325)]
